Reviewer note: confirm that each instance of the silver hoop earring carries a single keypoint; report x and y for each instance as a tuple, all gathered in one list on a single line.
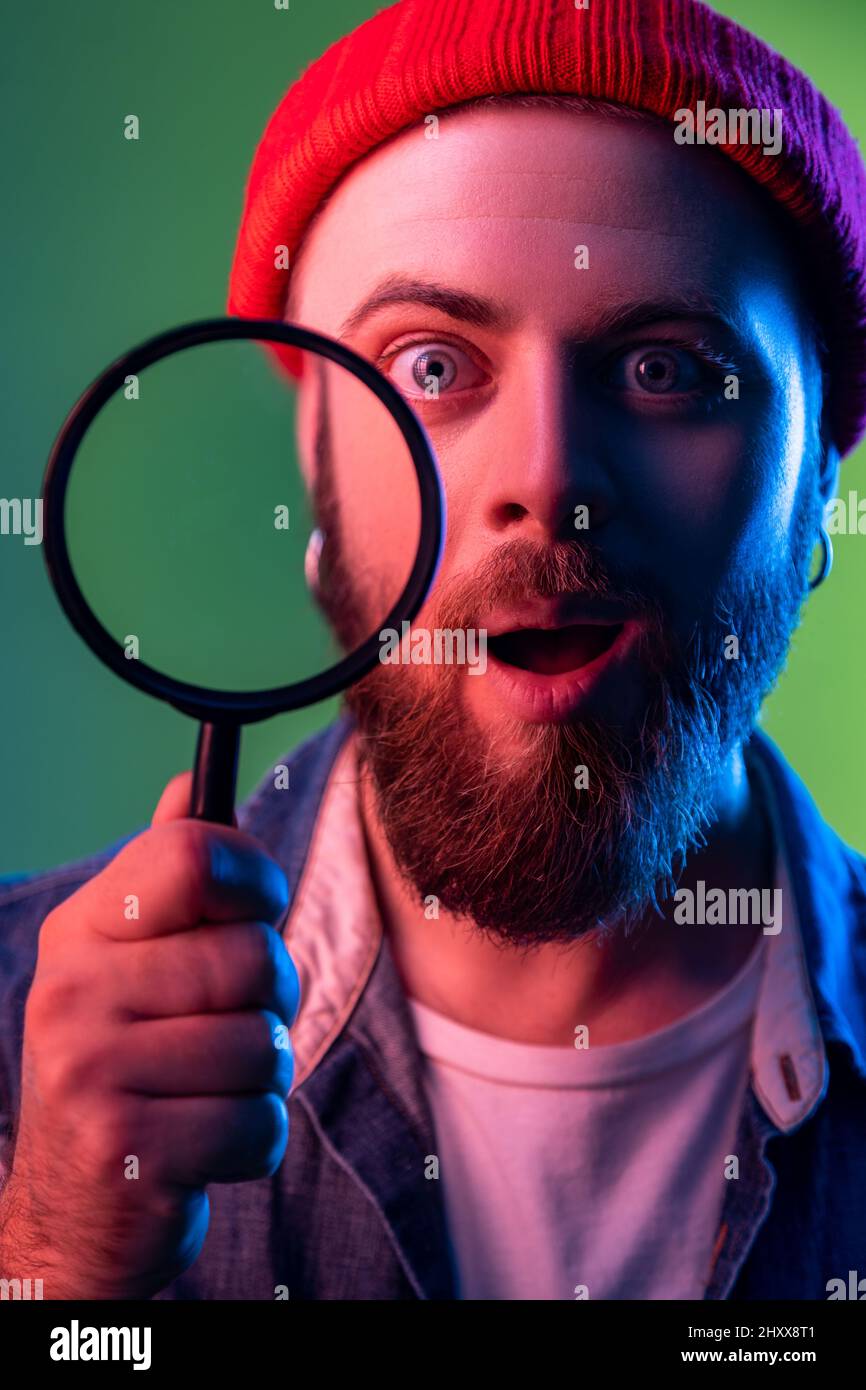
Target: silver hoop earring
[(826, 558), (312, 559)]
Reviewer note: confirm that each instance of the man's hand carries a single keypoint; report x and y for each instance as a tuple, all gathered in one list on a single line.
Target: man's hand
[(155, 1059)]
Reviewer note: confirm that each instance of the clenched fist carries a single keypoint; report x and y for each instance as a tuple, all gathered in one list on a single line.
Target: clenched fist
[(155, 1059)]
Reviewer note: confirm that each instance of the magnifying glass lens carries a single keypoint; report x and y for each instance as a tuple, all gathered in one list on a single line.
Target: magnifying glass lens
[(237, 528)]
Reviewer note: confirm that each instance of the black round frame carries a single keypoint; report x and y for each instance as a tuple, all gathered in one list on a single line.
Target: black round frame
[(244, 707), (222, 713)]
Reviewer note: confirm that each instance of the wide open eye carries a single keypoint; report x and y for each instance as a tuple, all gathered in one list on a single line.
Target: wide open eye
[(425, 371), (657, 371)]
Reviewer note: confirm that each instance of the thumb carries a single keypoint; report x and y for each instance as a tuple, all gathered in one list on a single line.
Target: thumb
[(174, 804), (176, 800)]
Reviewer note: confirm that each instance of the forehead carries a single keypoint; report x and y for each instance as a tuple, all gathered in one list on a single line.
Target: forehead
[(499, 202)]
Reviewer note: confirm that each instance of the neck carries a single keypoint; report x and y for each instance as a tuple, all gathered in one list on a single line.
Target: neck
[(621, 987)]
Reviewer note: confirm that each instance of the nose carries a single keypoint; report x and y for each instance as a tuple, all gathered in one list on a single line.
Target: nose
[(550, 461)]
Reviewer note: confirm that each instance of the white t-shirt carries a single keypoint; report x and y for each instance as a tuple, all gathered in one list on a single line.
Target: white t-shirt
[(592, 1172)]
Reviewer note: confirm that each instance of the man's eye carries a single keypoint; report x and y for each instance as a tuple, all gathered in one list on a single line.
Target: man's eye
[(656, 371), (425, 371)]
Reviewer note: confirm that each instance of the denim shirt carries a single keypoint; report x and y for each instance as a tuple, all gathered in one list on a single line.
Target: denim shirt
[(349, 1213)]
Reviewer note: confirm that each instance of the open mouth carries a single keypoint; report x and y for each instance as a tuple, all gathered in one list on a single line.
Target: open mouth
[(552, 651)]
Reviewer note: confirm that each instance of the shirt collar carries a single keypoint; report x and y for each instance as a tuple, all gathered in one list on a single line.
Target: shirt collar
[(333, 928), (789, 1062), (827, 882)]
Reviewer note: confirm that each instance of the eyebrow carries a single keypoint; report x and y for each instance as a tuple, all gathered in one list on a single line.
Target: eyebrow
[(458, 304), (490, 313), (623, 317)]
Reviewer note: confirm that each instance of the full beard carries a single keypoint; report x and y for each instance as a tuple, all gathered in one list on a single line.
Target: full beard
[(516, 844)]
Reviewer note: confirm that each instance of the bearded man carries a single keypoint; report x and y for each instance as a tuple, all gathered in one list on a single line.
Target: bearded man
[(581, 967)]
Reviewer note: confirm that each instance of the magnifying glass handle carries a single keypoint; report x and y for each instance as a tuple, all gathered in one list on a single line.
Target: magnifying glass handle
[(215, 776)]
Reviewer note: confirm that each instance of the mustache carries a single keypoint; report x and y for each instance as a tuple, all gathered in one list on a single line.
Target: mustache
[(522, 569)]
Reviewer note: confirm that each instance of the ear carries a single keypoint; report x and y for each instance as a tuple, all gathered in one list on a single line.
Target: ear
[(828, 472)]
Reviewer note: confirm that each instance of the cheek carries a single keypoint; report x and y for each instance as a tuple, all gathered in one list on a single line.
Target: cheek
[(690, 496), (378, 495), (713, 498)]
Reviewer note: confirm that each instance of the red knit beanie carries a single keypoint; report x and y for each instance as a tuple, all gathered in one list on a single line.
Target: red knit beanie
[(419, 56)]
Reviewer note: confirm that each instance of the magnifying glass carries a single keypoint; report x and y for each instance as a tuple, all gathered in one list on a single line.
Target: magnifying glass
[(237, 540)]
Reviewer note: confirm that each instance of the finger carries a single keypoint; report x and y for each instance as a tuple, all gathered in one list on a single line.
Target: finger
[(211, 969), (178, 874), (210, 1054), (176, 800), (193, 1140)]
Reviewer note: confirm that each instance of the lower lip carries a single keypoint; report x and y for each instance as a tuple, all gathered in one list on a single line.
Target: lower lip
[(554, 699)]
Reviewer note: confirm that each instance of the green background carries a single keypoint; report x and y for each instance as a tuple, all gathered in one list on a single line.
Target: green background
[(108, 241)]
